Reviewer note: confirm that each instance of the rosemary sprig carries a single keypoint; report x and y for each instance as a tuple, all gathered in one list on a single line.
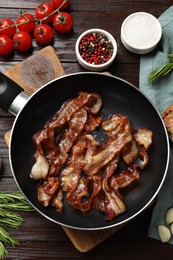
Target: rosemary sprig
[(7, 238), (163, 70), (10, 219), (14, 201), (3, 250), (10, 201)]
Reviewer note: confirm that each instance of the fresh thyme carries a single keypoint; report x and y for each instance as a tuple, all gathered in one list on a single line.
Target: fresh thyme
[(163, 70), (10, 201)]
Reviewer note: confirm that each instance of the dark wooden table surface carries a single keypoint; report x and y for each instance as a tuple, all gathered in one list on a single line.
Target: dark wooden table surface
[(39, 238)]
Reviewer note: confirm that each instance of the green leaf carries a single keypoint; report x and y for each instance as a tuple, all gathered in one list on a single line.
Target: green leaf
[(14, 201), (7, 238), (163, 70), (11, 201), (3, 251)]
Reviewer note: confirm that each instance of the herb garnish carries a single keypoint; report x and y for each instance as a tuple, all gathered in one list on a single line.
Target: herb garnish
[(163, 70), (10, 201)]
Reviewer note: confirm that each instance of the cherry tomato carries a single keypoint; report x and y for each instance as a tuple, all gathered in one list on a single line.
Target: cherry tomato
[(9, 25), (58, 3), (43, 33), (6, 45), (43, 10), (63, 22), (22, 41), (27, 27)]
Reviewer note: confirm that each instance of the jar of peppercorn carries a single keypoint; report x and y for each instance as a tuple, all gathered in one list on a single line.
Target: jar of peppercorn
[(96, 49)]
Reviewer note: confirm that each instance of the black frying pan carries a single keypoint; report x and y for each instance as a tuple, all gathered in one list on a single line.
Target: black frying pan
[(118, 97)]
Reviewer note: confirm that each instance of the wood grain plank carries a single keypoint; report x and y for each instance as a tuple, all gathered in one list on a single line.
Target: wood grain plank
[(37, 70)]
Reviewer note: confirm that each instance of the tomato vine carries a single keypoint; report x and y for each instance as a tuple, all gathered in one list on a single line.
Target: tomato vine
[(48, 17)]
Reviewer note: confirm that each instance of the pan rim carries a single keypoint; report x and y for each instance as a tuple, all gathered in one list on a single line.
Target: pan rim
[(133, 215)]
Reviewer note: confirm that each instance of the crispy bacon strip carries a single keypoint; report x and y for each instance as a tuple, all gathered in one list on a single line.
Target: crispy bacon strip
[(113, 145), (47, 189), (93, 121), (92, 184), (66, 141), (77, 187), (70, 160), (113, 201), (143, 136), (125, 178), (43, 197), (54, 155), (70, 174), (92, 102), (44, 139), (130, 152), (51, 185), (110, 126), (41, 167), (57, 201)]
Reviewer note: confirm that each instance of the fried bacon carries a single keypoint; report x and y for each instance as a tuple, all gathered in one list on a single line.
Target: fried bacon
[(109, 201), (70, 174), (113, 145), (72, 165), (87, 189), (44, 140), (143, 137), (66, 141)]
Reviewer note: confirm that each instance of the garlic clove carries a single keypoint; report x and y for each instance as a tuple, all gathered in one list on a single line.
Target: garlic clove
[(164, 233), (169, 216), (171, 228)]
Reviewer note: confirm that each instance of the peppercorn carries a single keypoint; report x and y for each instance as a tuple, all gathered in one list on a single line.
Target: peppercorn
[(95, 48)]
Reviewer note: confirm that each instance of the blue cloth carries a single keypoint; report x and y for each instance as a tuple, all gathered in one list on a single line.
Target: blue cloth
[(160, 92)]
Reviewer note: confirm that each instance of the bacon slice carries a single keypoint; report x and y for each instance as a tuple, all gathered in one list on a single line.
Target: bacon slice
[(41, 167), (130, 152), (143, 136), (43, 197), (44, 139), (72, 164), (51, 185), (93, 121), (49, 193), (92, 184), (70, 174), (57, 201), (106, 152), (55, 155), (66, 141), (92, 102), (113, 201), (125, 178)]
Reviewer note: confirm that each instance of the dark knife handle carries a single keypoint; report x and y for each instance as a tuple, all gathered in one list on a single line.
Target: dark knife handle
[(9, 90)]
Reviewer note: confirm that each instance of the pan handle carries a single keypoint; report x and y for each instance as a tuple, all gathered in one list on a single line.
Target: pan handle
[(12, 96)]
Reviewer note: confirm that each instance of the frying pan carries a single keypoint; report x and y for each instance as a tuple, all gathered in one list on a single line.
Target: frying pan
[(119, 97)]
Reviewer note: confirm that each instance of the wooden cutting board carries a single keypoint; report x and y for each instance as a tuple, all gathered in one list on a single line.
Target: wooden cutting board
[(31, 74)]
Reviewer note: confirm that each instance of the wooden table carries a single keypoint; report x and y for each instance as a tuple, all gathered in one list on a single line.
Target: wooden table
[(39, 238)]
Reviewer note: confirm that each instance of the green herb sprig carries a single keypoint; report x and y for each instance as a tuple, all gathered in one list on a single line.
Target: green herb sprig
[(9, 202), (163, 70)]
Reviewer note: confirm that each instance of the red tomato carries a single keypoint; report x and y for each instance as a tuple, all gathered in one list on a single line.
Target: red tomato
[(7, 27), (44, 10), (28, 26), (22, 41), (43, 33), (58, 3), (63, 22), (6, 45)]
